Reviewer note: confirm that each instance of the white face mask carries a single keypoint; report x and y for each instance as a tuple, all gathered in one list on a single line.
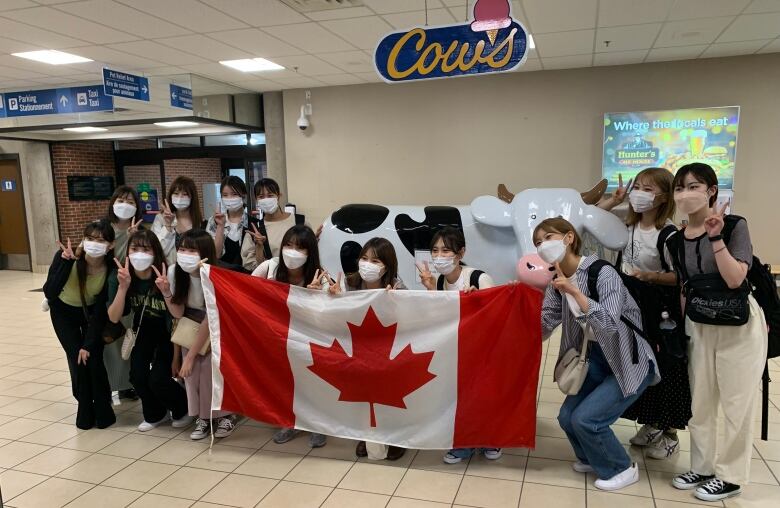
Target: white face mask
[(181, 203), (124, 210), (293, 258), (370, 272), (641, 201), (95, 249), (233, 204), (268, 205), (444, 264), (141, 260), (188, 262), (552, 251)]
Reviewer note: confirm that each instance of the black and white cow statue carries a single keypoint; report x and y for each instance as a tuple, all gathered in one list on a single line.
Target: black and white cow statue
[(498, 230)]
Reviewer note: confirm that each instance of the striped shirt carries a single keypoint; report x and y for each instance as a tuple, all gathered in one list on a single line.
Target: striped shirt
[(614, 336)]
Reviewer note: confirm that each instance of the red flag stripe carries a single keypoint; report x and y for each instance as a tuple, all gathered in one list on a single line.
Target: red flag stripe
[(254, 336), (499, 353)]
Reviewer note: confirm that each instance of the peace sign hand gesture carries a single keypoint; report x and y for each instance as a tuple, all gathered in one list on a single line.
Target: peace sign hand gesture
[(714, 223), (426, 277), (257, 236), (67, 252), (123, 273), (162, 282), (334, 287), (562, 283), (620, 193), (167, 214), (133, 226), (316, 282), (219, 217)]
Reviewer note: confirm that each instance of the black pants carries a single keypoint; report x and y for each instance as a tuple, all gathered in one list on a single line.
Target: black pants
[(150, 373), (89, 382)]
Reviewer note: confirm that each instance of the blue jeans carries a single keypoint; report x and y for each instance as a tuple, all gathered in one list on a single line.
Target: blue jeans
[(586, 417)]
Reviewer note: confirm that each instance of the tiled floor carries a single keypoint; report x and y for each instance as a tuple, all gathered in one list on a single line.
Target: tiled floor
[(46, 462)]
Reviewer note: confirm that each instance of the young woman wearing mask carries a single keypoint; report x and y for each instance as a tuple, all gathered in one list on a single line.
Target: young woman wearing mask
[(230, 221), (132, 288), (613, 381), (377, 269), (665, 407), (448, 247), (76, 289), (725, 361), (262, 239), (179, 213), (299, 265)]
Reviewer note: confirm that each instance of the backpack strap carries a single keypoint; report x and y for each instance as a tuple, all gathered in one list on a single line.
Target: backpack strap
[(440, 283), (664, 235), (300, 219), (593, 277), (729, 223), (474, 278)]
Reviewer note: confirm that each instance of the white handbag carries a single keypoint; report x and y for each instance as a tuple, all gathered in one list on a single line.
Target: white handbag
[(130, 335), (572, 368)]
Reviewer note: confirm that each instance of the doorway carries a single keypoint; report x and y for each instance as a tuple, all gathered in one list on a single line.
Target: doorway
[(14, 239)]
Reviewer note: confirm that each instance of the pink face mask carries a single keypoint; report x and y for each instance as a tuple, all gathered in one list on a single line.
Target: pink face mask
[(689, 202)]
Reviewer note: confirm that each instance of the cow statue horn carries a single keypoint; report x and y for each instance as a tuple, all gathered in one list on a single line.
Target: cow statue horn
[(504, 194), (593, 196)]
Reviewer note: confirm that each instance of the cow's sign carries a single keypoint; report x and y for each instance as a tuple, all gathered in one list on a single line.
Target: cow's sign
[(491, 42), (497, 231)]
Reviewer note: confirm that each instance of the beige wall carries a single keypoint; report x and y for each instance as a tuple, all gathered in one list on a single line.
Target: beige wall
[(448, 141)]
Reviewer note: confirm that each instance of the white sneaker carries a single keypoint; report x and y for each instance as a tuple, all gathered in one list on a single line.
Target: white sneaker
[(201, 430), (663, 448), (146, 426), (646, 435), (581, 467), (620, 480), (183, 422), (492, 453)]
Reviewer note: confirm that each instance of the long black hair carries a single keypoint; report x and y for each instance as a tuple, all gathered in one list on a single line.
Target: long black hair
[(303, 238), (145, 238), (100, 228), (201, 241)]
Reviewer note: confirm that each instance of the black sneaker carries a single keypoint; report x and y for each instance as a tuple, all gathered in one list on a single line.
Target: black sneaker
[(128, 394), (690, 480), (716, 490)]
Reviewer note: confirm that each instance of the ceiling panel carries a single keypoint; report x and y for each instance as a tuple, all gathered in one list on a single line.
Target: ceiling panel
[(58, 21), (310, 37), (734, 48), (752, 26), (132, 20), (111, 56), (577, 42), (772, 47), (620, 57), (566, 62), (531, 64), (258, 12), (346, 12), (12, 46), (7, 5), (385, 6), (162, 53), (16, 73), (559, 15), (261, 85), (36, 36), (632, 12), (417, 18), (308, 65), (205, 47), (256, 42), (299, 82), (350, 61), (690, 9), (691, 32), (763, 6), (675, 53), (340, 79), (625, 38), (190, 14), (363, 33)]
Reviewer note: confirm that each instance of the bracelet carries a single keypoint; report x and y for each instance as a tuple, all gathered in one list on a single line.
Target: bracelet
[(715, 238), (722, 248), (167, 296)]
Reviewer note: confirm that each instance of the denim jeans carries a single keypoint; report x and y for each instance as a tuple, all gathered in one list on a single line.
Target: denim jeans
[(586, 417)]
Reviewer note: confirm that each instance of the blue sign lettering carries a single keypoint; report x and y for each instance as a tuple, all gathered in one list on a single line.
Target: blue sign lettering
[(127, 86), (181, 97), (55, 101)]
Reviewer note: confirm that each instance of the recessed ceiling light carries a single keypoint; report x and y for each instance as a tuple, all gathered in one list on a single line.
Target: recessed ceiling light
[(252, 65), (51, 56), (85, 129), (531, 43), (176, 123)]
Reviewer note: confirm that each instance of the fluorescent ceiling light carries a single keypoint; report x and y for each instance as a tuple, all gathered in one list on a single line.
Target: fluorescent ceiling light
[(252, 65), (531, 43), (51, 56), (85, 129), (176, 123)]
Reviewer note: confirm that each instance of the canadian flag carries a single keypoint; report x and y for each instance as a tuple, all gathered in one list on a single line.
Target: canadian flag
[(417, 369)]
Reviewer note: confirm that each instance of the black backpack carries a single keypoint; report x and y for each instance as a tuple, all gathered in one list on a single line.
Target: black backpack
[(300, 219), (473, 280)]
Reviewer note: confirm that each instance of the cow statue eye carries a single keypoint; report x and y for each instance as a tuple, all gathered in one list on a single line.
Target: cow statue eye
[(533, 216)]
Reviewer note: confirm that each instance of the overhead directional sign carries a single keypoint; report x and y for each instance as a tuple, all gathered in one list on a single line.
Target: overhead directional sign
[(181, 97), (127, 86), (55, 101)]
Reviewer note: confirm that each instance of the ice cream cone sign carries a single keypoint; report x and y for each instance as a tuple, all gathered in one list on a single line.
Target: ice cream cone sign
[(490, 16)]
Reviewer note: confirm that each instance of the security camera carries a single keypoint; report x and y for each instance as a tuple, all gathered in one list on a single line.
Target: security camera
[(303, 122)]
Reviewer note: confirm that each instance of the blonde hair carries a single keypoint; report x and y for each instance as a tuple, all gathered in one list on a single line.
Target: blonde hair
[(663, 179), (561, 226)]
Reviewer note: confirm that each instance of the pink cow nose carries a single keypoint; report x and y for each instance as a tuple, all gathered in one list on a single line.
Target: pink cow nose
[(532, 270)]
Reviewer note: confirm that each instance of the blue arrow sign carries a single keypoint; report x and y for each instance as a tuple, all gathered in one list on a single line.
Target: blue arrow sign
[(181, 97), (127, 86), (55, 101)]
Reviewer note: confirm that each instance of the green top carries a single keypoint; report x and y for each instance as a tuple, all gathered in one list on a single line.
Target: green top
[(71, 294)]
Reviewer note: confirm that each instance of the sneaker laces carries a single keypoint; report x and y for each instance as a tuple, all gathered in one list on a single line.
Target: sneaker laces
[(201, 425), (714, 485), (225, 423), (690, 477)]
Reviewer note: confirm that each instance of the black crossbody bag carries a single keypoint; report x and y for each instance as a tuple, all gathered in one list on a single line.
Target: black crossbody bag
[(709, 300)]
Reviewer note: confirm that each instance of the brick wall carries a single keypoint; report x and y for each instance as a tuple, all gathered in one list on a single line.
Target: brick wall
[(202, 171), (88, 159)]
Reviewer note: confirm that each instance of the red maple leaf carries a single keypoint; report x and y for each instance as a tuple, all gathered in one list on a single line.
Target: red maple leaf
[(370, 375)]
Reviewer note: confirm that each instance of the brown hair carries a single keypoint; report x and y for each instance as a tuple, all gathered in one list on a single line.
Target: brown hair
[(662, 178), (384, 251), (186, 184), (124, 191), (561, 226)]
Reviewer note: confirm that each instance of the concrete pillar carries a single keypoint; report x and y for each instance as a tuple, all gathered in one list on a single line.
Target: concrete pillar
[(273, 112)]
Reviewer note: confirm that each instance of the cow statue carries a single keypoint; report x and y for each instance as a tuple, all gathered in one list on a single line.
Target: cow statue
[(497, 231)]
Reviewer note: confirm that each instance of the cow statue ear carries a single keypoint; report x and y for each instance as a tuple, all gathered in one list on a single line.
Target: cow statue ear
[(492, 211)]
